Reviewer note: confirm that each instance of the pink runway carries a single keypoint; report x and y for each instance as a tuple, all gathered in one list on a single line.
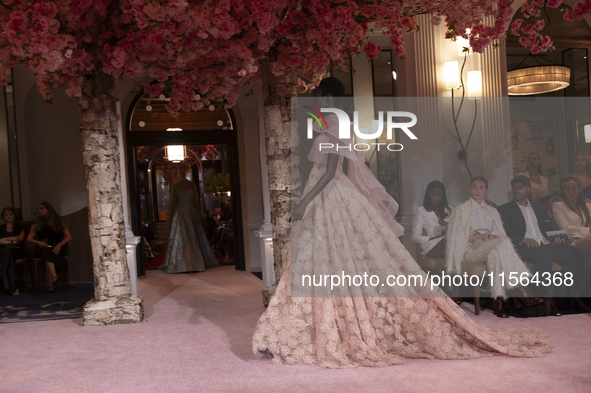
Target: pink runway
[(197, 334)]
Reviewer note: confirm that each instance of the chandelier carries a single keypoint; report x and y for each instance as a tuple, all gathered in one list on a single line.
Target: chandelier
[(537, 79)]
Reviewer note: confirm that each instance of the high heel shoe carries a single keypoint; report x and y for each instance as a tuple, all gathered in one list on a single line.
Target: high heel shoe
[(54, 284), (499, 308)]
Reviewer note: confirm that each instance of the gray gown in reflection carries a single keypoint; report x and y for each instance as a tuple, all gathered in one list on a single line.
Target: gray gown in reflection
[(188, 249)]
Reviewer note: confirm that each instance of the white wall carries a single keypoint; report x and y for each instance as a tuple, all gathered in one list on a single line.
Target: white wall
[(50, 149)]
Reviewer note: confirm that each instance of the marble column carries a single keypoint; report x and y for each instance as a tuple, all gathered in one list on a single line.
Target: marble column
[(421, 160), (496, 131)]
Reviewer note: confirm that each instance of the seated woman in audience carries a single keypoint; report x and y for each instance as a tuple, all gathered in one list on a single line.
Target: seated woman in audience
[(11, 237), (539, 183), (430, 217), (583, 173), (572, 213), (50, 234)]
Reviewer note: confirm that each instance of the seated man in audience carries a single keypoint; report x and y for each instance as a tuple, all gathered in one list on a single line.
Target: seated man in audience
[(526, 223), (475, 234)]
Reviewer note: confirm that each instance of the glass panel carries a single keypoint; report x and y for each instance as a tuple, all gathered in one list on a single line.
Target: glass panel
[(383, 78), (5, 183), (347, 78), (577, 117), (163, 195), (9, 175), (388, 162), (344, 76), (12, 146)]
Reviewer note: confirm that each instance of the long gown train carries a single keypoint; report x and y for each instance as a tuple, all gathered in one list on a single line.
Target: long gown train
[(342, 232)]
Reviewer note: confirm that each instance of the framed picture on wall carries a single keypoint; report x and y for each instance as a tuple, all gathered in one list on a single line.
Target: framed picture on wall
[(536, 139)]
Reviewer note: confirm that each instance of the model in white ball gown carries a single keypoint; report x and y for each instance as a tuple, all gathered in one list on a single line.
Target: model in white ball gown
[(345, 226)]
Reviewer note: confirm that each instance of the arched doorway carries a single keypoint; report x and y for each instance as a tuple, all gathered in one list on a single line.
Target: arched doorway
[(209, 139)]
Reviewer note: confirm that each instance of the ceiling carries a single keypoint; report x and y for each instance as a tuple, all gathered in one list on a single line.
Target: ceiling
[(158, 119)]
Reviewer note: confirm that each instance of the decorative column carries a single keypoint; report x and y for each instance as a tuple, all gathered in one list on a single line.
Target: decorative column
[(496, 125), (423, 157), (265, 232), (426, 79), (131, 241), (113, 302)]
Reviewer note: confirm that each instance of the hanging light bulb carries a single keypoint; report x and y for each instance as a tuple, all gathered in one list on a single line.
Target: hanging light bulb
[(142, 124)]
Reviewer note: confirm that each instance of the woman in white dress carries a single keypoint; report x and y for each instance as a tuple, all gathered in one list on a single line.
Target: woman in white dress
[(429, 218), (345, 222), (572, 213)]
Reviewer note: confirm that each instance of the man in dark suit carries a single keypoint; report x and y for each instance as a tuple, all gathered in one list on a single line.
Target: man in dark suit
[(526, 224)]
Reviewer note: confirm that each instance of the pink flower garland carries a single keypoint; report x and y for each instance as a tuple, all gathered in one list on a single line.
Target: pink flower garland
[(201, 52)]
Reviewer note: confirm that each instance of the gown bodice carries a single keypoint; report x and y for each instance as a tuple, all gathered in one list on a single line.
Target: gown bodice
[(185, 199)]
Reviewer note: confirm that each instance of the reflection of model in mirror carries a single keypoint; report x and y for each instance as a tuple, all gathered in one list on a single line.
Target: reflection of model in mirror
[(188, 249), (345, 223)]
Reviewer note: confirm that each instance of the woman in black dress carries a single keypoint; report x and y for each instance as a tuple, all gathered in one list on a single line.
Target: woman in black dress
[(50, 234), (11, 238)]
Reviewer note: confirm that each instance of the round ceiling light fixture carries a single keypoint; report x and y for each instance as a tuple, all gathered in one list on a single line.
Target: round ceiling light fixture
[(538, 79)]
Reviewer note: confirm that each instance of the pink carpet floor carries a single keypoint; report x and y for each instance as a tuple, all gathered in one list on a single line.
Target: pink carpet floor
[(196, 337)]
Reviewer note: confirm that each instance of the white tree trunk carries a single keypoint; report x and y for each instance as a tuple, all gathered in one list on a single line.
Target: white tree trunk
[(113, 302), (278, 141)]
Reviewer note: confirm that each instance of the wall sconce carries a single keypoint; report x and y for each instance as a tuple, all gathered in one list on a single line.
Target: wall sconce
[(451, 75), (176, 153), (587, 128), (464, 45), (474, 84), (473, 88)]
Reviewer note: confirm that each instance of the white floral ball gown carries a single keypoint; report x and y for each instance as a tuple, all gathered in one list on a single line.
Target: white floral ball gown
[(343, 232)]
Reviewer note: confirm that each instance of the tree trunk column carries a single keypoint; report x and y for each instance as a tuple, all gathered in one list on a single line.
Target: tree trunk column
[(113, 302), (278, 143)]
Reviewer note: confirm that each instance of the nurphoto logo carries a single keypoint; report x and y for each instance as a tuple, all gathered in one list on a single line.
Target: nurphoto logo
[(377, 127)]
